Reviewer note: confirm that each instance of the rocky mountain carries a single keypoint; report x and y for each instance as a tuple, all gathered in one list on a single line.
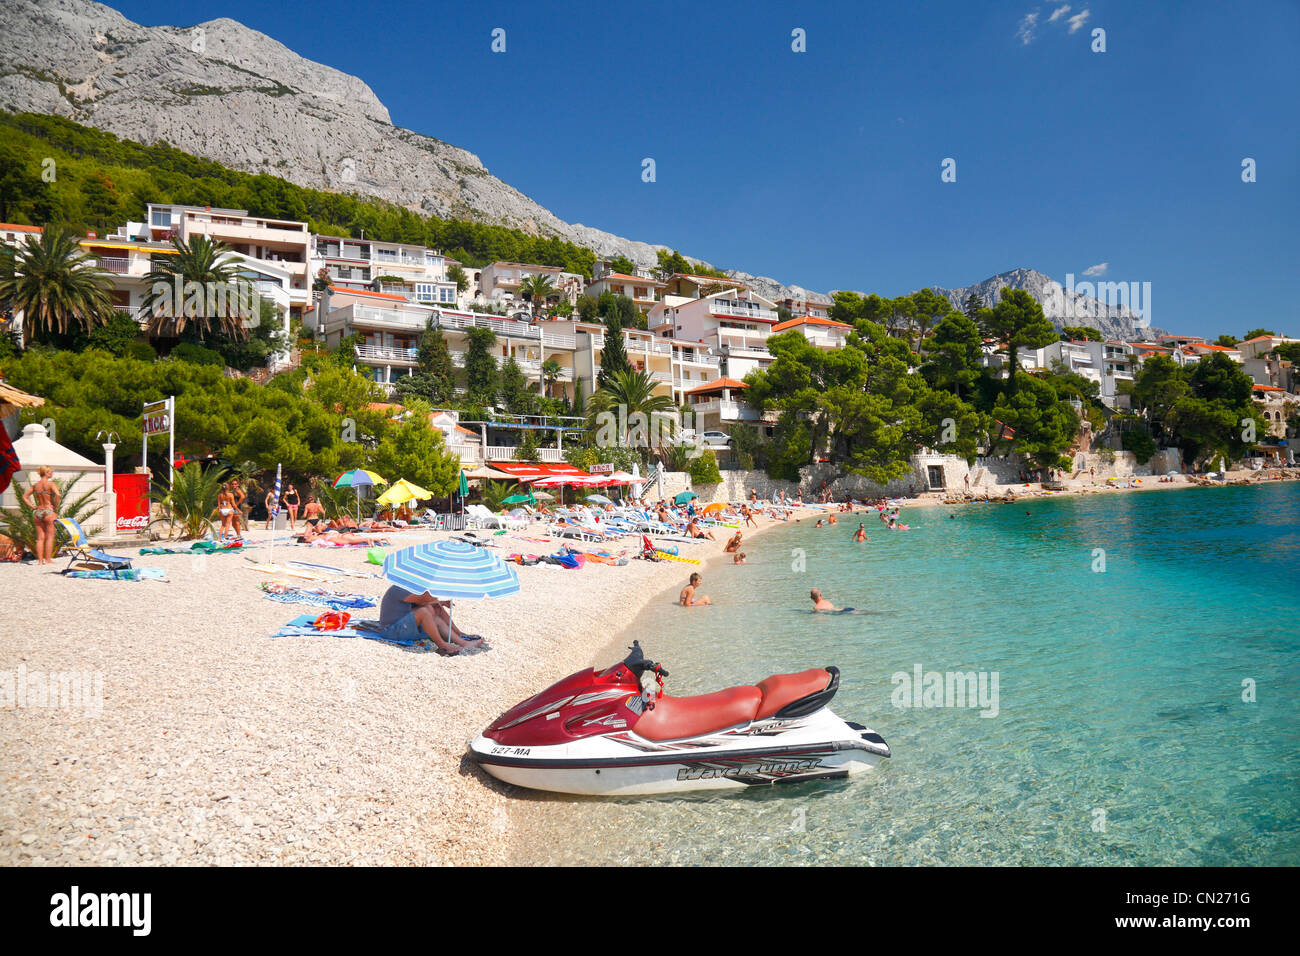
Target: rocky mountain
[(1118, 313), (231, 94)]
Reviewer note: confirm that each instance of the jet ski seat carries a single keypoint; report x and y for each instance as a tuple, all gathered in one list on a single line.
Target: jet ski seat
[(674, 718), (782, 689)]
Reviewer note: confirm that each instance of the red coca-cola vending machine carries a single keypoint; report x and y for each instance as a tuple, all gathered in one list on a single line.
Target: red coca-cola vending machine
[(132, 501)]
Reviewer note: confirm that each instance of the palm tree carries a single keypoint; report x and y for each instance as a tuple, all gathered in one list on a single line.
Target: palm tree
[(551, 370), (536, 290), (54, 283), (626, 393), (197, 284)]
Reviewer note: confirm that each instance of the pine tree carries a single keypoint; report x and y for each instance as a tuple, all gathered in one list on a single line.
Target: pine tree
[(434, 359), (480, 366), (613, 357), (514, 388), (972, 307)]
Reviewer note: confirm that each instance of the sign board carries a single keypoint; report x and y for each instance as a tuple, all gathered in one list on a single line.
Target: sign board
[(601, 469), (157, 422)]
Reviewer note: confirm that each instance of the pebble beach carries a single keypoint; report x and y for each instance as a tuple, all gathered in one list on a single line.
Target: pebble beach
[(218, 744)]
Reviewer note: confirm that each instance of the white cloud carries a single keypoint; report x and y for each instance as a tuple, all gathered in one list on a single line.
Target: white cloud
[(1078, 21), (1025, 32), (1098, 270), (1058, 13)]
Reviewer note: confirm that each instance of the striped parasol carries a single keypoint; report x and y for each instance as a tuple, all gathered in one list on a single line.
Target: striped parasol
[(275, 510), (451, 569)]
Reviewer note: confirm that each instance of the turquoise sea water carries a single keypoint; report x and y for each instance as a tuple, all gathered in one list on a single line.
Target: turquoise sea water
[(1121, 735)]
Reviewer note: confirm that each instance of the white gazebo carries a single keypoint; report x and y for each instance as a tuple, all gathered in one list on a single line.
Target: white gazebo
[(34, 448)]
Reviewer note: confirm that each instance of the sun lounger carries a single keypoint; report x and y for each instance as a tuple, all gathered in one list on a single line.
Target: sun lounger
[(79, 545)]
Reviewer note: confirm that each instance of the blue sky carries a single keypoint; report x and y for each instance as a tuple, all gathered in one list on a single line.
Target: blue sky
[(822, 168)]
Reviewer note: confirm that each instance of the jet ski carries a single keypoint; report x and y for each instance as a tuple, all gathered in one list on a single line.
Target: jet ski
[(602, 733)]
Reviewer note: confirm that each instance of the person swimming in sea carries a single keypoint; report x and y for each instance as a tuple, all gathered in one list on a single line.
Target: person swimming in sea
[(861, 533), (820, 603)]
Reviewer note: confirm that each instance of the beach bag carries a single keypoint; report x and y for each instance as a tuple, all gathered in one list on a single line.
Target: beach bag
[(332, 621)]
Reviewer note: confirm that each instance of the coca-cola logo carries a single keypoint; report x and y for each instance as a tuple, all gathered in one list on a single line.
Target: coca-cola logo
[(124, 524)]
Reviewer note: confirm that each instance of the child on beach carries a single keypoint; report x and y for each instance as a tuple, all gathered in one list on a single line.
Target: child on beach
[(687, 598), (739, 558)]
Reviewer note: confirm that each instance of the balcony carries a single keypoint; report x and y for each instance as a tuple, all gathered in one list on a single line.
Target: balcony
[(392, 318), (114, 265), (379, 353), (559, 340), (727, 410), (507, 453), (506, 327), (742, 312)]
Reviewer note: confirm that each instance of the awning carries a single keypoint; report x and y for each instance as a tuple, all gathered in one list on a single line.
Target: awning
[(537, 469)]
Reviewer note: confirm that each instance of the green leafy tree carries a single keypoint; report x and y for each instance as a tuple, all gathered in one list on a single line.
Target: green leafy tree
[(514, 392), (415, 451), (623, 265), (458, 275), (551, 371), (433, 359), (613, 409), (588, 308), (704, 469), (1045, 426), (1018, 321), (56, 285), (1080, 333), (955, 357), (1257, 333), (1140, 443), (1227, 341), (191, 497), (115, 336), (480, 366)]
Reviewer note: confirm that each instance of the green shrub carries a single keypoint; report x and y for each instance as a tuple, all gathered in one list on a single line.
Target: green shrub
[(1142, 445), (189, 352), (704, 469), (141, 352)]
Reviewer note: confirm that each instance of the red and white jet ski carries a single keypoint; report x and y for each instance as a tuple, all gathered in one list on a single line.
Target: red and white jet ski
[(600, 733)]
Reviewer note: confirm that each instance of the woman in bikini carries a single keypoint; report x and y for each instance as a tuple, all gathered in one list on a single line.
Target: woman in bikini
[(226, 509), (44, 498), (291, 503)]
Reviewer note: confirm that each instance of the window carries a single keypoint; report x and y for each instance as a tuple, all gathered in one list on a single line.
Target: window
[(161, 217), (447, 294), (424, 291)]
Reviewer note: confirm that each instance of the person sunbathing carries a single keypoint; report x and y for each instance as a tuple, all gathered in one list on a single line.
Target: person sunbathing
[(404, 616), (693, 530), (311, 535)]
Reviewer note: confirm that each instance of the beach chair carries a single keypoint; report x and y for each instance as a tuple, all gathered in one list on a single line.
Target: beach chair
[(479, 517), (79, 545)]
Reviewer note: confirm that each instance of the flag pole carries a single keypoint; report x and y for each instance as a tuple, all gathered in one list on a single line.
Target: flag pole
[(275, 513)]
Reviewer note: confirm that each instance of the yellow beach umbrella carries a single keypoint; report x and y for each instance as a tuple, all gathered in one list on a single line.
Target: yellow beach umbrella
[(401, 491)]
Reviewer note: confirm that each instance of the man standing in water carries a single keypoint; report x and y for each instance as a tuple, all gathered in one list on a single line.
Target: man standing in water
[(820, 603)]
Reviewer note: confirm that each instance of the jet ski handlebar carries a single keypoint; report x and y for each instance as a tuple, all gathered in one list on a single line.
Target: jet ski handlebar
[(638, 663)]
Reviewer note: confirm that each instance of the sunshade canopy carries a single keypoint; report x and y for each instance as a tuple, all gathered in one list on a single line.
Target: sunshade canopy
[(451, 569), (401, 491)]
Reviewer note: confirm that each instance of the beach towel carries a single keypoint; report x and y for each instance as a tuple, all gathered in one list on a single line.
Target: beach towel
[(316, 597), (125, 574), (302, 626), (9, 465)]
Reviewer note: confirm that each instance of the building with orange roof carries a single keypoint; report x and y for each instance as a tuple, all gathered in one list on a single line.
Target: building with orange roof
[(733, 323), (13, 233), (643, 287), (822, 332)]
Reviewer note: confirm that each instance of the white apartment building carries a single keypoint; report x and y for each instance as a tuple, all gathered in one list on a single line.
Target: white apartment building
[(734, 324), (642, 287), (283, 245), (413, 272), (499, 283), (820, 331)]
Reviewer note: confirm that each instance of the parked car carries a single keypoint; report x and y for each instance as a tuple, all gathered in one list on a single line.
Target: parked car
[(716, 438)]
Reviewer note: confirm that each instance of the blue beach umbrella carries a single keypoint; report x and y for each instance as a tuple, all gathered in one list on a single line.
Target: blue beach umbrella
[(684, 497), (451, 569)]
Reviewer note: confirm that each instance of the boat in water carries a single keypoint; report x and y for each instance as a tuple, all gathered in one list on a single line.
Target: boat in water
[(601, 733)]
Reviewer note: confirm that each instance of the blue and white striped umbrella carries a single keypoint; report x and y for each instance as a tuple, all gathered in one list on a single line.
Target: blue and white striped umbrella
[(451, 569)]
